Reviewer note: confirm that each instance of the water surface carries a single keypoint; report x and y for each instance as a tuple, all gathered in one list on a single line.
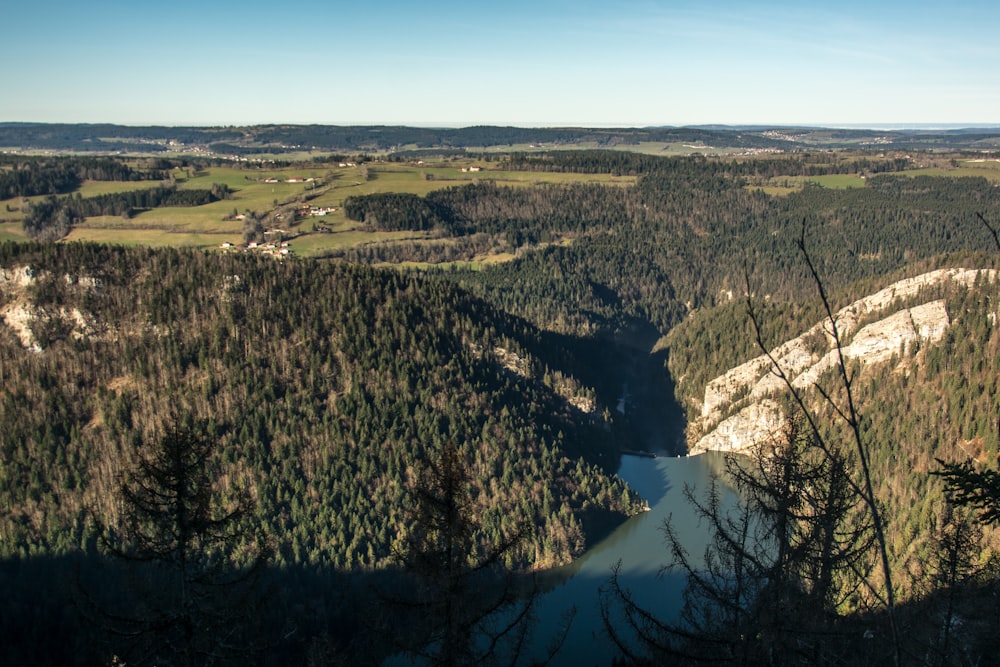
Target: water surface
[(640, 548)]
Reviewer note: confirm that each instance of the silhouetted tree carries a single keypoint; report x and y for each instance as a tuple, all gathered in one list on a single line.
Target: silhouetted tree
[(953, 567), (192, 558), (473, 611), (780, 563), (839, 401), (977, 489)]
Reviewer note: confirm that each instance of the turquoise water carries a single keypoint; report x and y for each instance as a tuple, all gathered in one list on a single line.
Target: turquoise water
[(639, 546)]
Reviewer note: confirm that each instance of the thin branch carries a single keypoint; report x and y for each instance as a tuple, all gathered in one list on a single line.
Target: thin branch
[(850, 417), (993, 230)]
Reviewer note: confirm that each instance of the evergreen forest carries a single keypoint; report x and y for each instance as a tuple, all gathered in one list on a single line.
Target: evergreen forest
[(324, 428)]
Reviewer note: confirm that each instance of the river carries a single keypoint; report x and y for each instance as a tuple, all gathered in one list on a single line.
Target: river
[(640, 547)]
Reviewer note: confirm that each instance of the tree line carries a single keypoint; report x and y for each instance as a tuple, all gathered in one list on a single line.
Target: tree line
[(53, 217), (26, 177)]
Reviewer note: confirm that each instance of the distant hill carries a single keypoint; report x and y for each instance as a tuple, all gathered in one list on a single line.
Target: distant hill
[(109, 138)]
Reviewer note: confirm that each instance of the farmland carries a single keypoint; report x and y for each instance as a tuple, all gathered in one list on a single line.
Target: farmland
[(277, 193), (303, 202)]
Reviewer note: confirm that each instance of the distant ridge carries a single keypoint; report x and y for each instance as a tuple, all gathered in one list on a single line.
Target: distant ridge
[(873, 127), (230, 141)]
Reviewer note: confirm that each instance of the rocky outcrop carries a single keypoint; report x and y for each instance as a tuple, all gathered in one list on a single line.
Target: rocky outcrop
[(754, 424), (803, 360), (22, 315)]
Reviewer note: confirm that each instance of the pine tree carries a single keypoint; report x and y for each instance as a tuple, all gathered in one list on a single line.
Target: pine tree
[(192, 558), (474, 611)]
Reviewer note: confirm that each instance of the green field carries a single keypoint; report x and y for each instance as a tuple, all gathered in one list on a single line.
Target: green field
[(11, 231), (988, 169), (311, 245), (95, 188), (785, 185), (206, 226), (150, 237), (780, 186)]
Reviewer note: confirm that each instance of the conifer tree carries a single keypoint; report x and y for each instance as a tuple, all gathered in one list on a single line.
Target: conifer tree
[(779, 565), (191, 557), (474, 611)]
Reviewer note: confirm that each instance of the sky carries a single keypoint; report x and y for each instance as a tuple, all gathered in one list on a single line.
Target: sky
[(527, 63)]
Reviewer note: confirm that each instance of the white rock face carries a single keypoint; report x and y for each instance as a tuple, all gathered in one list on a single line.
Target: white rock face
[(754, 424), (873, 343), (18, 277), (19, 312), (877, 342), (18, 317)]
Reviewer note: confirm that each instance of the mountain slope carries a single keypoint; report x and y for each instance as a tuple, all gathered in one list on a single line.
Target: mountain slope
[(805, 358), (326, 387)]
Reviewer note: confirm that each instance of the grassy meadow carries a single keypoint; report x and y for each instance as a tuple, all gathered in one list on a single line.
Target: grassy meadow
[(780, 186), (211, 225), (982, 168), (11, 231)]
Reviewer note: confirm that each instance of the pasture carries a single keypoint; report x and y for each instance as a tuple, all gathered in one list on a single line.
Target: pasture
[(11, 231), (279, 191), (780, 186), (276, 192), (982, 168)]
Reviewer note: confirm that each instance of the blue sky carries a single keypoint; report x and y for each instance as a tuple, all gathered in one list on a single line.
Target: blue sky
[(519, 63)]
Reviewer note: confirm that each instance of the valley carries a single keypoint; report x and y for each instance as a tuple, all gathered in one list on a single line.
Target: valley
[(537, 317)]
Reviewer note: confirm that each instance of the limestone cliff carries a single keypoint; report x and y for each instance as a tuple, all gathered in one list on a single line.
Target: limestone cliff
[(737, 411), (20, 312)]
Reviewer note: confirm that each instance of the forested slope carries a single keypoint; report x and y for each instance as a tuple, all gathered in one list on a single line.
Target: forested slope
[(324, 386), (329, 385), (687, 235), (931, 401)]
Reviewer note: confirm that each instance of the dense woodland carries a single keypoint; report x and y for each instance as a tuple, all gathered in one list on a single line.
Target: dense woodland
[(327, 388), (332, 403), (27, 177)]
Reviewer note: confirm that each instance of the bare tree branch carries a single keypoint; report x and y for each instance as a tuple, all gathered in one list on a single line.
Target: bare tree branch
[(849, 416)]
